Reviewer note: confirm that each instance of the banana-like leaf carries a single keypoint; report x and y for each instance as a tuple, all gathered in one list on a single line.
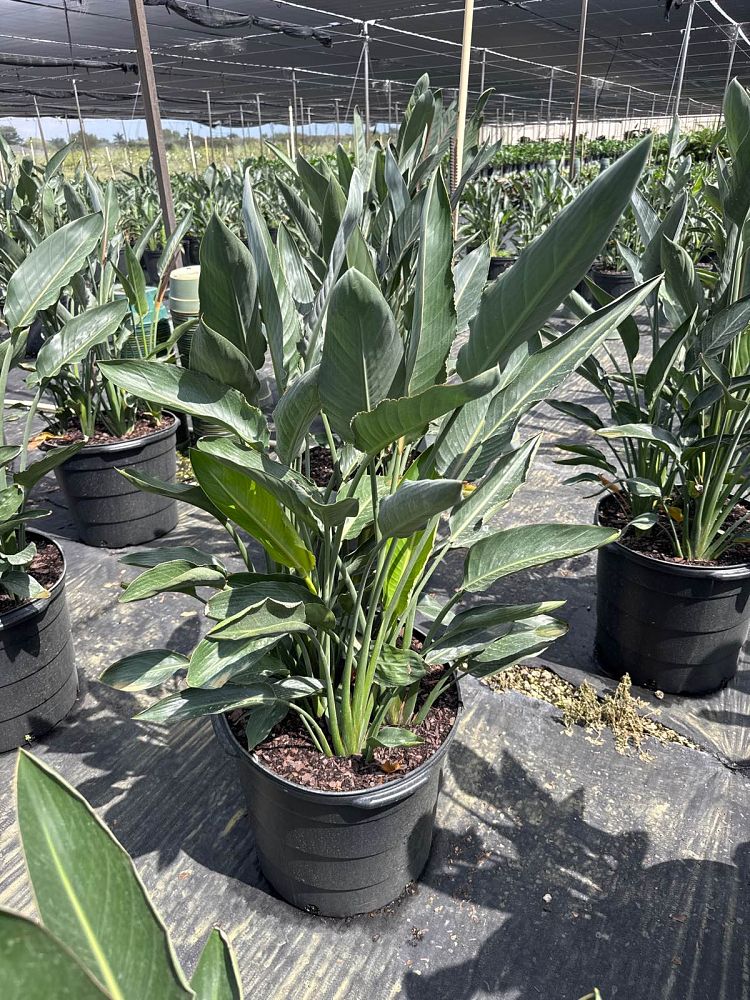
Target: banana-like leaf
[(515, 306), (49, 268), (488, 615), (214, 662), (469, 279), (474, 642), (228, 289), (414, 503), (101, 912), (142, 671), (190, 392), (254, 509), (79, 335), (644, 432), (362, 352), (467, 521), (737, 119), (433, 326), (263, 620), (277, 305), (168, 553), (54, 457), (261, 720), (194, 703), (33, 963), (216, 976), (514, 549), (294, 412), (409, 416), (398, 668), (723, 327), (213, 355), (394, 736), (404, 550), (235, 600), (514, 646), (184, 492), (11, 499), (177, 576), (670, 227)]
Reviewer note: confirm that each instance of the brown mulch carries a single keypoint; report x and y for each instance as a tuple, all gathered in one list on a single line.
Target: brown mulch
[(321, 465), (290, 753), (142, 428), (46, 568), (614, 512)]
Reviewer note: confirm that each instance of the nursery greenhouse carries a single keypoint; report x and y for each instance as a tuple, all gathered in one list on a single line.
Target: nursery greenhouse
[(374, 499)]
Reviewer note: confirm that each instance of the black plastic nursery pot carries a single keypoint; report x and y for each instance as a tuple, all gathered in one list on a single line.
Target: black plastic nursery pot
[(106, 508), (498, 265), (337, 854), (673, 627), (38, 679), (150, 265), (615, 283)]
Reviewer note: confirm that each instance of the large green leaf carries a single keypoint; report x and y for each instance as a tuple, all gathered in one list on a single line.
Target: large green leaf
[(519, 548), (414, 503), (409, 416), (514, 646), (468, 519), (54, 457), (515, 306), (362, 351), (79, 335), (177, 576), (277, 305), (253, 508), (294, 413), (193, 703), (213, 355), (472, 642), (433, 326), (228, 289), (216, 976), (190, 392), (34, 964), (414, 547), (737, 119), (469, 278), (184, 492), (88, 892), (144, 670), (264, 620), (48, 269), (214, 662), (261, 720)]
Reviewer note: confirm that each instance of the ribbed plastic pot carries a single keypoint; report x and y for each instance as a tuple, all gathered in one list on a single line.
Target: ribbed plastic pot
[(149, 263), (105, 507), (38, 679), (673, 628), (337, 854), (615, 283)]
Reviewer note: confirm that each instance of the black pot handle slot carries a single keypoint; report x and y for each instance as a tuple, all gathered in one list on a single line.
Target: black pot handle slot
[(389, 794)]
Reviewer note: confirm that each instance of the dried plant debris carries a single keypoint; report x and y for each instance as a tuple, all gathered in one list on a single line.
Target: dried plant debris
[(630, 719), (185, 472)]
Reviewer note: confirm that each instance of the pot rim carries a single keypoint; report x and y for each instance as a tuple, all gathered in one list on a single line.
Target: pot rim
[(736, 571), (14, 616), (107, 447), (387, 793)]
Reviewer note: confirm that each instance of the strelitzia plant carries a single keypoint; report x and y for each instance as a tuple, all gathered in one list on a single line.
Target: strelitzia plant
[(99, 936), (320, 621), (677, 432)]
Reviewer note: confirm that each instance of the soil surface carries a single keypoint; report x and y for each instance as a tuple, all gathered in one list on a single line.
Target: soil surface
[(614, 512), (321, 465), (142, 428), (290, 753), (46, 568)]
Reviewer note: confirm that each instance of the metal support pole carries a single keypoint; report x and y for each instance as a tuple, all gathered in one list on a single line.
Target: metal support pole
[(683, 57), (390, 112), (579, 74), (549, 102), (84, 144), (463, 95), (293, 115), (338, 121), (260, 125), (192, 151), (292, 135), (210, 126), (366, 44), (41, 131), (309, 124), (243, 130), (484, 70), (153, 117), (301, 121), (732, 50), (627, 106)]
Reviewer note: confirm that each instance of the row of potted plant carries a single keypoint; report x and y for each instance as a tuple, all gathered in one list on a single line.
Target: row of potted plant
[(401, 377)]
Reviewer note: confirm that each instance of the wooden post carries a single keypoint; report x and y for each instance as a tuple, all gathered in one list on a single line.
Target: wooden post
[(463, 96), (31, 151), (205, 150), (577, 100), (683, 57), (109, 160), (366, 44), (84, 144), (41, 131), (153, 117)]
